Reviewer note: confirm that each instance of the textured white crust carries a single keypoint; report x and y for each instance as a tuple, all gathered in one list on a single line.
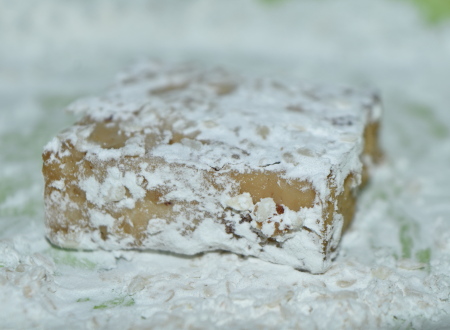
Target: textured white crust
[(227, 123)]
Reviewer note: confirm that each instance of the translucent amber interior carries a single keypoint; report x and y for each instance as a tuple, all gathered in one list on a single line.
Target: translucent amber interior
[(135, 221)]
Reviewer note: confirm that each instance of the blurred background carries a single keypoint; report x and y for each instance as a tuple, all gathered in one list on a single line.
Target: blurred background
[(53, 51)]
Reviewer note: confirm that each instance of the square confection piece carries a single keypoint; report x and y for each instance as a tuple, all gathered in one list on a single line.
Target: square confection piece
[(189, 160)]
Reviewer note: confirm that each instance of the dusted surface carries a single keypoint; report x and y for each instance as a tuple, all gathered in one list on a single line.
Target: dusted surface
[(187, 160), (393, 268)]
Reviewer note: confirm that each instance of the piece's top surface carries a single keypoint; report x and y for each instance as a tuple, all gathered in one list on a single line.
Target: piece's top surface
[(211, 119)]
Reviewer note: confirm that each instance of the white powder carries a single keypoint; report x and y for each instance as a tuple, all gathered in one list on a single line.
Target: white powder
[(101, 219), (248, 135), (156, 226), (373, 284), (242, 202)]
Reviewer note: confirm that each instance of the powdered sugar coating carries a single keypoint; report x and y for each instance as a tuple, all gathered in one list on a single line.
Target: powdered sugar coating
[(243, 123), (191, 130)]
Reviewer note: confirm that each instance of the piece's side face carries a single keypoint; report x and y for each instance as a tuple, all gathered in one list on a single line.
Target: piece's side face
[(190, 161)]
